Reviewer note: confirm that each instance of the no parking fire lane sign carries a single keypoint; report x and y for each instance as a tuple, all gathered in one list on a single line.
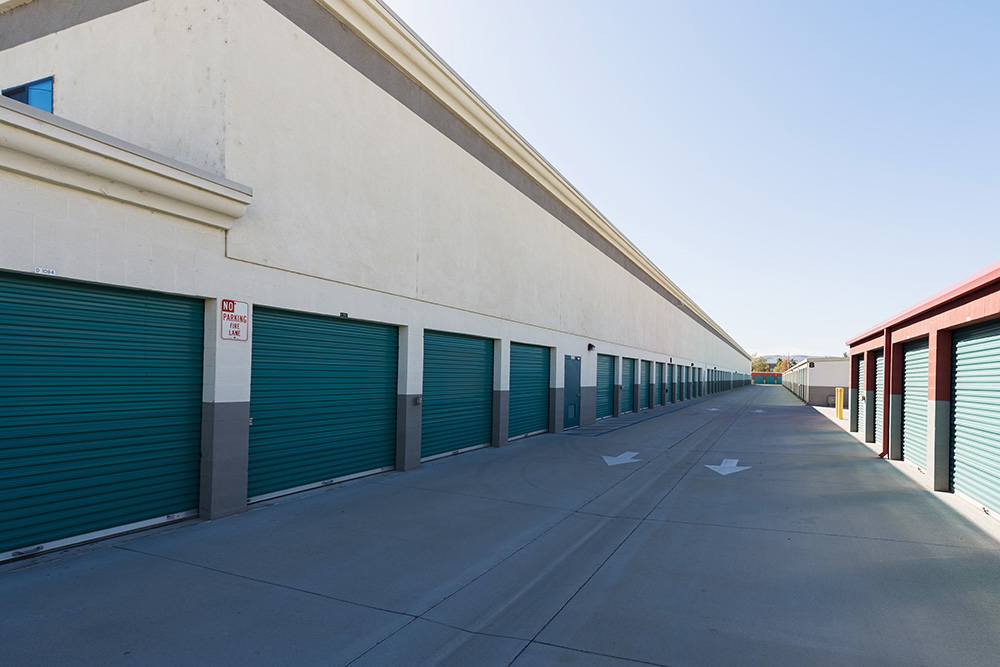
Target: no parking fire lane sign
[(235, 319)]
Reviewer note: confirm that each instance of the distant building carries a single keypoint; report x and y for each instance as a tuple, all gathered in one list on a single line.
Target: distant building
[(815, 379)]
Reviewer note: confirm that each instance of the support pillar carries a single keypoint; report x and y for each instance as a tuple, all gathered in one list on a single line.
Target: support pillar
[(855, 393), (616, 399), (409, 397), (225, 417), (895, 385), (557, 391), (869, 403), (501, 392), (939, 409)]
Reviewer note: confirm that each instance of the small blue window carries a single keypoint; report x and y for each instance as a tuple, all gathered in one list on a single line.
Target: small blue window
[(37, 93)]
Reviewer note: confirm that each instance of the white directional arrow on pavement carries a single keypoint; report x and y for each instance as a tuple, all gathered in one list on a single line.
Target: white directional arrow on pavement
[(713, 409), (624, 457), (728, 467)]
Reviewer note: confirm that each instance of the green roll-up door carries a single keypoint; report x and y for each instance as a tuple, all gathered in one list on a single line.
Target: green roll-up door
[(458, 393), (322, 400), (976, 415), (605, 385), (529, 389), (671, 390), (100, 409), (862, 401), (879, 389), (644, 385), (687, 383), (915, 377), (659, 383), (628, 384)]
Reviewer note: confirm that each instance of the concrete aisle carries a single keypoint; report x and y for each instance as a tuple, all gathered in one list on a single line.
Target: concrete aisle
[(539, 553)]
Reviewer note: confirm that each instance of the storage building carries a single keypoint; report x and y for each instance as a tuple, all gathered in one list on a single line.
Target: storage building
[(815, 379), (928, 383), (257, 246)]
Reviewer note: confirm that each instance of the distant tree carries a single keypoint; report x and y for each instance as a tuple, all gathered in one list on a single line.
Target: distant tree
[(780, 366), (759, 364)]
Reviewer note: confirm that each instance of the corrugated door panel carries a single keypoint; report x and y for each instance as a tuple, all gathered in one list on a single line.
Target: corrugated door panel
[(976, 420), (879, 390), (605, 385), (458, 392), (915, 378), (644, 385), (670, 382), (100, 408), (529, 389), (862, 402), (628, 384), (659, 383), (322, 399)]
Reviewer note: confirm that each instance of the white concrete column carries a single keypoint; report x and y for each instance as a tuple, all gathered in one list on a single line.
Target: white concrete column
[(501, 391), (226, 419), (557, 382), (409, 396)]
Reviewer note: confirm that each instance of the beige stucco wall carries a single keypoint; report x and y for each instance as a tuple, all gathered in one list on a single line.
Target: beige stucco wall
[(359, 206)]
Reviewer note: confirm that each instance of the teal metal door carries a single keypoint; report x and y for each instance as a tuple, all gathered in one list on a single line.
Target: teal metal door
[(687, 383), (628, 385), (976, 415), (100, 410), (644, 386), (605, 385), (458, 393), (671, 390), (879, 391), (571, 412), (529, 389), (322, 400), (659, 383), (862, 401), (915, 394)]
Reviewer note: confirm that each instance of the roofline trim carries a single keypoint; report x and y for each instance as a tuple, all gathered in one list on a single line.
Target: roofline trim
[(978, 281), (387, 33)]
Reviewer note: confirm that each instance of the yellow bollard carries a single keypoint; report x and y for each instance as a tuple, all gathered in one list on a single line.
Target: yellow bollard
[(840, 402)]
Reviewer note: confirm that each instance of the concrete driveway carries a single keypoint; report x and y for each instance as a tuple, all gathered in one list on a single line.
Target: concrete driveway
[(540, 553)]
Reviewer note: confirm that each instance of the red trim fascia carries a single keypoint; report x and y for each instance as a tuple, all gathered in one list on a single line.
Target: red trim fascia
[(869, 345), (977, 282)]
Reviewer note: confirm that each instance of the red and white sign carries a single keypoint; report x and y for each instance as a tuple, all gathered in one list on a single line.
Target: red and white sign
[(235, 319)]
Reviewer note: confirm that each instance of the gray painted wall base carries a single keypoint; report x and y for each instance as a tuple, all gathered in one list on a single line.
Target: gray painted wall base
[(556, 399), (501, 417), (409, 419), (823, 396), (225, 449), (588, 405), (939, 443)]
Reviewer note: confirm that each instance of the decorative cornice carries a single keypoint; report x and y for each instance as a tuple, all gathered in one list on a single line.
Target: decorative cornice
[(7, 5), (43, 146), (387, 33)]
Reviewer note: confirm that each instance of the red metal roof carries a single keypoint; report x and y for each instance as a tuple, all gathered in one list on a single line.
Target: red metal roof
[(981, 279)]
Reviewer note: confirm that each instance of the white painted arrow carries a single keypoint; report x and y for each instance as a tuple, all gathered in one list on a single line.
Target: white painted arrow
[(624, 457), (728, 467), (713, 409), (758, 411)]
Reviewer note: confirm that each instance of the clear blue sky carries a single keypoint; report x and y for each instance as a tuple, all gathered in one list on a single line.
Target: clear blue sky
[(775, 159)]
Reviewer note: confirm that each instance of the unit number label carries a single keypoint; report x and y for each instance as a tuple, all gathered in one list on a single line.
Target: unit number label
[(235, 317)]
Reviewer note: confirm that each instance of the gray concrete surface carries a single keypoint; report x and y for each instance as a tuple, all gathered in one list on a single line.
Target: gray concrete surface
[(539, 553)]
